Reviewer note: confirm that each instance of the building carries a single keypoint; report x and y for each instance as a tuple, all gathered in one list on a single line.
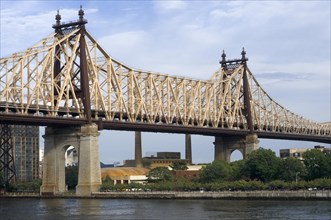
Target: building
[(125, 175), (162, 159), (298, 152), (293, 152), (192, 172), (25, 140)]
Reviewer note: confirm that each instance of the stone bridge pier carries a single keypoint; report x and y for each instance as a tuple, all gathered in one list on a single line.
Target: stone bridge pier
[(224, 146), (85, 139)]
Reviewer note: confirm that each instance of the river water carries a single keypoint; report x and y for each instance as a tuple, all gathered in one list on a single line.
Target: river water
[(30, 208)]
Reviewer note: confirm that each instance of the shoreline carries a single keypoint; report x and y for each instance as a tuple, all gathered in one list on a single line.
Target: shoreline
[(236, 195)]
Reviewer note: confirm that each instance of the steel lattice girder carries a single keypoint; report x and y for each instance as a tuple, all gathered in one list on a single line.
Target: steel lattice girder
[(28, 86)]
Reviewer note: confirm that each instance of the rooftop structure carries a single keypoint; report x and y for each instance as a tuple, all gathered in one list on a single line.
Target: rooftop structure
[(162, 159), (298, 152)]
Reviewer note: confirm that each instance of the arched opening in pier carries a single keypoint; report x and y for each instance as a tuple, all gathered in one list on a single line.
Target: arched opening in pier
[(236, 155), (71, 167)]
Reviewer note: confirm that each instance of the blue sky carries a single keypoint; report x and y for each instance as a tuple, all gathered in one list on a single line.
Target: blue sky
[(287, 42)]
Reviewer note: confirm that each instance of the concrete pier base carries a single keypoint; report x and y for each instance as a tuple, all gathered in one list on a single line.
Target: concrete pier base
[(57, 141), (224, 146), (89, 171)]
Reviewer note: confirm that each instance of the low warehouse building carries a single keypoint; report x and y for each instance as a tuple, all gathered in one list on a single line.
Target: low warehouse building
[(125, 175)]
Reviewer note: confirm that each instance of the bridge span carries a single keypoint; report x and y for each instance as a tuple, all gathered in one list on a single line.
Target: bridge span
[(70, 84), (157, 127)]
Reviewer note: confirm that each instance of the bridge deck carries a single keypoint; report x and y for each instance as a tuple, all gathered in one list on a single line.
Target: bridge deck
[(7, 118)]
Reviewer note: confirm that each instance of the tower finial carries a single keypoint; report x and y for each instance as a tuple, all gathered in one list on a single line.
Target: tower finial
[(243, 54), (58, 18), (223, 56), (81, 13), (223, 61)]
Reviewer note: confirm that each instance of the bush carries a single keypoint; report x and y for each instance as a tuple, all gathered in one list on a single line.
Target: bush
[(217, 171), (31, 186), (160, 174), (278, 185)]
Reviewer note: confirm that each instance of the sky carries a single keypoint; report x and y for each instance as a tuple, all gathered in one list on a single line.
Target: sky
[(287, 44)]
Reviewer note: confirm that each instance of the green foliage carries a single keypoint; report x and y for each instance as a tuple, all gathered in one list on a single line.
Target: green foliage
[(278, 184), (238, 170), (317, 164), (31, 186), (71, 173), (218, 170), (107, 179), (159, 174), (240, 185), (179, 165), (291, 169), (261, 170), (107, 184), (162, 186), (183, 184), (328, 161), (262, 165)]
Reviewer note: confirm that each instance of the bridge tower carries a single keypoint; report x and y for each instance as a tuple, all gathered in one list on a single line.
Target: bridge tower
[(83, 138), (7, 163), (225, 145)]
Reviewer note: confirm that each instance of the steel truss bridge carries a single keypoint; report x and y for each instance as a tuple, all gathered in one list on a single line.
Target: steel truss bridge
[(69, 79)]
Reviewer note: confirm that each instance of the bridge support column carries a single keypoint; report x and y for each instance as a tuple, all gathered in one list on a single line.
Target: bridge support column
[(188, 148), (57, 141), (221, 149), (89, 171), (224, 146), (251, 144), (138, 152)]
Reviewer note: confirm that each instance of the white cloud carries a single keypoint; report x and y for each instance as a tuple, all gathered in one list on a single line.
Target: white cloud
[(169, 5), (17, 26)]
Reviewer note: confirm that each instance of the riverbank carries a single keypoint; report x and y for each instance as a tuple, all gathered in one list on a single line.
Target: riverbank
[(263, 194), (287, 195)]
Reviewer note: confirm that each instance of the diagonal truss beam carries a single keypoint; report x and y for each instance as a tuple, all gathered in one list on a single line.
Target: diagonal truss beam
[(44, 81)]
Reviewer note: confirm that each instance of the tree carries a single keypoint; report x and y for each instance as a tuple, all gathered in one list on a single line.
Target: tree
[(71, 176), (328, 161), (218, 170), (291, 169), (316, 163), (179, 165), (238, 169), (262, 164), (107, 180), (159, 174)]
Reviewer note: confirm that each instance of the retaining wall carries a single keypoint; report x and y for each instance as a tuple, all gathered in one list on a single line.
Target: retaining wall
[(319, 194)]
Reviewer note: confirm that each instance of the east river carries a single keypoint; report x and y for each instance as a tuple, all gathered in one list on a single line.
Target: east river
[(33, 208)]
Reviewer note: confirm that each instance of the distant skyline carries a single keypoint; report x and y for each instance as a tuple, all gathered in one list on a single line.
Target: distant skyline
[(287, 43)]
